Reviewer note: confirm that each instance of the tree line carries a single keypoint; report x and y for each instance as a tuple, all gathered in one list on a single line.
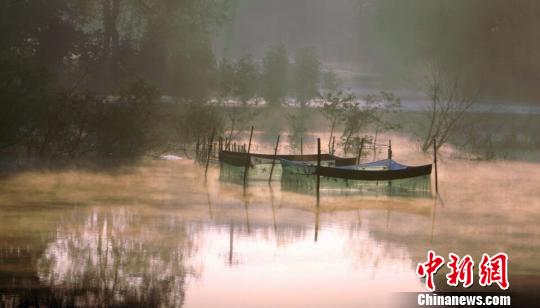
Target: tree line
[(116, 78), (85, 77), (276, 77)]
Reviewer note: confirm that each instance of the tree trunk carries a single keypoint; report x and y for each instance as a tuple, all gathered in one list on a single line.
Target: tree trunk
[(111, 11), (115, 44), (331, 135)]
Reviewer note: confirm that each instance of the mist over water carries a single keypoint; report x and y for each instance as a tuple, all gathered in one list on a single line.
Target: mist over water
[(158, 233), (111, 110)]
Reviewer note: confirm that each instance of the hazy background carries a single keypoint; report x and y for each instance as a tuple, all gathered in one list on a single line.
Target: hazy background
[(122, 78), (494, 42)]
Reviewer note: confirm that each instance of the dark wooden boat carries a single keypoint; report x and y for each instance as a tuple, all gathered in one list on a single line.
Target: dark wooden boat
[(383, 170), (253, 159)]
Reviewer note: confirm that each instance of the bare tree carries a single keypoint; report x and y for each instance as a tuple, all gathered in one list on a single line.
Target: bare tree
[(239, 116), (356, 115), (334, 109), (451, 97)]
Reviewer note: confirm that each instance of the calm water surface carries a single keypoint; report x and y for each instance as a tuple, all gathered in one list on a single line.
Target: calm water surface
[(158, 234)]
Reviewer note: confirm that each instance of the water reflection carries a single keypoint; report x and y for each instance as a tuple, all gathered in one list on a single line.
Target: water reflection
[(173, 240), (336, 269), (412, 187), (158, 235), (111, 260), (419, 187)]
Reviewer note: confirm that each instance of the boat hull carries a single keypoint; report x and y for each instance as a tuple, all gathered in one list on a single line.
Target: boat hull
[(355, 174), (243, 159)]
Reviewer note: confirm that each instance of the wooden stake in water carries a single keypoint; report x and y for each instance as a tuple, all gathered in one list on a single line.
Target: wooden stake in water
[(301, 145), (317, 222), (435, 163), (389, 157), (197, 158), (318, 188), (318, 167), (248, 158), (274, 160), (231, 242), (209, 152), (360, 151)]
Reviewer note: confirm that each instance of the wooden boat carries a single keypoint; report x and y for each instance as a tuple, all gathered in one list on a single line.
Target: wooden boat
[(243, 159), (382, 170), (260, 165), (416, 187)]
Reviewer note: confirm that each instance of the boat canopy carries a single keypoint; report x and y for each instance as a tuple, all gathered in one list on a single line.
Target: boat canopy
[(385, 164)]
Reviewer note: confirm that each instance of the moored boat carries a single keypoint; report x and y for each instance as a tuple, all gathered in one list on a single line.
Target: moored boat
[(243, 158), (382, 170), (260, 165), (387, 175)]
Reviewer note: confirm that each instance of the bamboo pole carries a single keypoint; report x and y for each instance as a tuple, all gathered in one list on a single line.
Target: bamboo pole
[(375, 143), (274, 160), (209, 152), (318, 167), (318, 189), (231, 242), (360, 151), (435, 163), (317, 223), (248, 160), (197, 145), (389, 157), (202, 153)]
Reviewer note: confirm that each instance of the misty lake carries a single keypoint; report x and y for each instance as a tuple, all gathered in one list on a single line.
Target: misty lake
[(156, 233)]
